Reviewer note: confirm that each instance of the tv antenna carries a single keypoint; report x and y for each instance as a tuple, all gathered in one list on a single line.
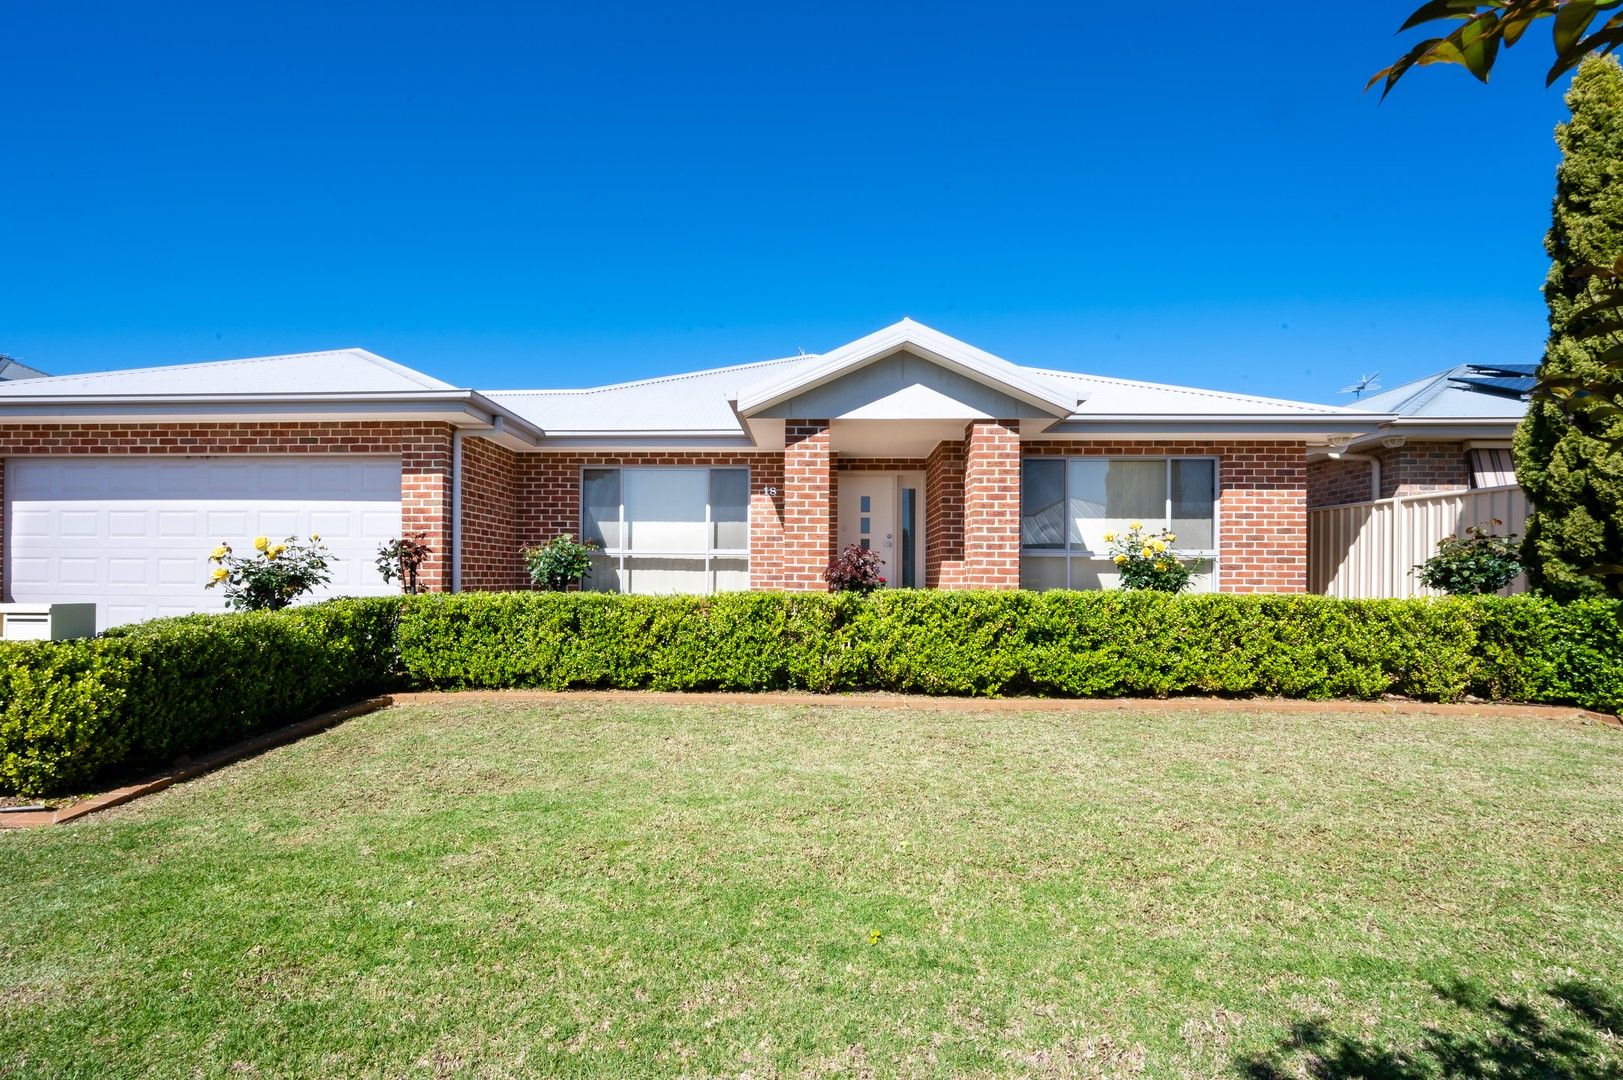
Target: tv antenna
[(1364, 385)]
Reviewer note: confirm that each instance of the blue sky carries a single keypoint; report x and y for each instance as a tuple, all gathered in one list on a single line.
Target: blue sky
[(544, 195)]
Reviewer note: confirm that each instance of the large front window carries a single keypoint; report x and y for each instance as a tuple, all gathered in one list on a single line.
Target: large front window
[(667, 530), (1068, 504)]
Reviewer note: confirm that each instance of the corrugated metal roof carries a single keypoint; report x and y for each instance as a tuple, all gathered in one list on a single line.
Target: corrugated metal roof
[(338, 371), (677, 404), (1443, 396)]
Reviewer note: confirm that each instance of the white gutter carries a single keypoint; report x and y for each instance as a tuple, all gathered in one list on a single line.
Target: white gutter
[(456, 510)]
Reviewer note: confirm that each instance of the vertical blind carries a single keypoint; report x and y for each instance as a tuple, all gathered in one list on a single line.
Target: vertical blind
[(667, 530), (1067, 505)]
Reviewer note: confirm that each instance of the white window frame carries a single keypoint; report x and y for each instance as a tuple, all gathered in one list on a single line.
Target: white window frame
[(710, 553), (1210, 556)]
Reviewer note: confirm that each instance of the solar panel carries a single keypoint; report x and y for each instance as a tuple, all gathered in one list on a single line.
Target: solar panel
[(1515, 385), (1504, 369)]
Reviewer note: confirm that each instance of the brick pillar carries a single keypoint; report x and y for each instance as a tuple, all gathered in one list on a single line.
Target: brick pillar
[(1262, 518), (425, 500), (944, 516), (808, 505), (992, 505)]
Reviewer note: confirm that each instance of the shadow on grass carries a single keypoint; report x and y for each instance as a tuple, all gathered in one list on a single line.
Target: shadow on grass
[(1575, 1034)]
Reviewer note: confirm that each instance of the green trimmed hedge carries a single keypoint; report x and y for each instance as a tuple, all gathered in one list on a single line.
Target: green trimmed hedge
[(72, 713), (75, 712), (1061, 644)]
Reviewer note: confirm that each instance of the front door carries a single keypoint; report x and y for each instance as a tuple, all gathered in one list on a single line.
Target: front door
[(884, 511)]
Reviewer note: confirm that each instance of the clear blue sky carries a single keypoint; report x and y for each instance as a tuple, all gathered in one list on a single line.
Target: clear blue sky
[(535, 195)]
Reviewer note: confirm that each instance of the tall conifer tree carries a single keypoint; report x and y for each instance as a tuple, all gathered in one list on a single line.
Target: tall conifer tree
[(1574, 478)]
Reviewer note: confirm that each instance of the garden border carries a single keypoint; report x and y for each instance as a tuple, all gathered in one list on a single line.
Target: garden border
[(30, 819)]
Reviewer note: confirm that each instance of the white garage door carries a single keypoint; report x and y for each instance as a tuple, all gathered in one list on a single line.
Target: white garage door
[(132, 535)]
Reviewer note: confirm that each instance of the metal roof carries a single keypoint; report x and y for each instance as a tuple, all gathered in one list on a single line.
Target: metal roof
[(684, 405), (338, 371), (1466, 392)]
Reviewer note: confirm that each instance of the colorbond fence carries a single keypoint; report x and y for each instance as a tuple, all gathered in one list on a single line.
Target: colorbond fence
[(1368, 549)]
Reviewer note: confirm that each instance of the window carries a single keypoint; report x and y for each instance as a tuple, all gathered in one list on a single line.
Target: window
[(1068, 504), (667, 530)]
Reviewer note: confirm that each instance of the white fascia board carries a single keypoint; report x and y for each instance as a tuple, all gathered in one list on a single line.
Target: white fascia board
[(933, 345)]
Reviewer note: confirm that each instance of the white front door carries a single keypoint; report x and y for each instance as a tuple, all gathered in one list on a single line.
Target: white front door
[(132, 535), (884, 512)]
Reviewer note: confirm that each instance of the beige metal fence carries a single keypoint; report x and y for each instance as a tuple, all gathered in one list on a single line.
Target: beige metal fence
[(1368, 549)]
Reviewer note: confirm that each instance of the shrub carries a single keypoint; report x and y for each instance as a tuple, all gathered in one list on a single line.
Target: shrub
[(1478, 562), (74, 712), (1147, 560), (271, 578), (401, 559), (559, 563), (854, 569)]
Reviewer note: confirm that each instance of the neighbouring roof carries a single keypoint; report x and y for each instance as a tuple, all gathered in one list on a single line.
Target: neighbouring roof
[(16, 369), (1465, 392)]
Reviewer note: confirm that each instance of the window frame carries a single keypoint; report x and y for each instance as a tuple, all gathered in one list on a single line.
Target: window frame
[(1211, 556), (711, 552)]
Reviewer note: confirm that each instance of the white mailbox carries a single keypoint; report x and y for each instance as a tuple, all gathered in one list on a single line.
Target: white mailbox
[(46, 622)]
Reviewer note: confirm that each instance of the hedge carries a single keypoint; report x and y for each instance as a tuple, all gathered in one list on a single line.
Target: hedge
[(1061, 644), (75, 712)]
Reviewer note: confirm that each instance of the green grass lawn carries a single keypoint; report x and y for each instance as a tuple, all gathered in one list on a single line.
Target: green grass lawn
[(587, 888)]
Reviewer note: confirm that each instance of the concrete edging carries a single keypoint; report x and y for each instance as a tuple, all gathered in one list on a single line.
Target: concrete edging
[(30, 819)]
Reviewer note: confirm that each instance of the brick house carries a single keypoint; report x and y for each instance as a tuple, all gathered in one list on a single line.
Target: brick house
[(962, 469), (1446, 432)]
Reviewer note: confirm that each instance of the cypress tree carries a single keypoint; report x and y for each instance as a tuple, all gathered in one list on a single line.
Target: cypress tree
[(1574, 479)]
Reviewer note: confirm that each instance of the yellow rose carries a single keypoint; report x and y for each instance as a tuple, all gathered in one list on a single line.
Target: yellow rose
[(1172, 536), (1147, 552), (275, 551), (220, 573), (315, 536), (1120, 559), (218, 553), (261, 543), (1110, 538), (1160, 545), (1160, 566), (1135, 525)]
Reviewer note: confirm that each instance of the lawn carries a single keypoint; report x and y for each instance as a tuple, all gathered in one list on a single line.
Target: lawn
[(466, 888)]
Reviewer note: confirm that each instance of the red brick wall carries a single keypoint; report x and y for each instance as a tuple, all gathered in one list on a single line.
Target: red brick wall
[(875, 464), (548, 501), (490, 517), (1336, 483), (1419, 467), (424, 449), (1415, 468), (1261, 505), (944, 515)]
